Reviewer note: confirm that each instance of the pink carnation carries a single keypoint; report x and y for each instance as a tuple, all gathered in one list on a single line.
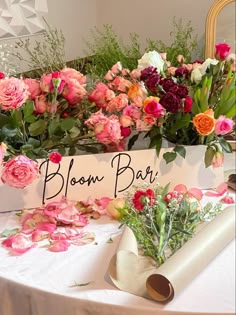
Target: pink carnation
[(13, 93), (19, 172), (33, 87), (223, 125)]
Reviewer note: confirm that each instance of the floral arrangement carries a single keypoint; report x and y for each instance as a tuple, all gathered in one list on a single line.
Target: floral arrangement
[(39, 118), (187, 105), (162, 220)]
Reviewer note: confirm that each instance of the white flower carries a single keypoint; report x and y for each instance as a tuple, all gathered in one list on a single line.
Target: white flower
[(151, 58), (200, 69)]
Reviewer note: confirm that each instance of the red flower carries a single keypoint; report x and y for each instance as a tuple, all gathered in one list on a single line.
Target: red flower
[(171, 102), (2, 75), (125, 131), (222, 51), (140, 196), (55, 157), (188, 103)]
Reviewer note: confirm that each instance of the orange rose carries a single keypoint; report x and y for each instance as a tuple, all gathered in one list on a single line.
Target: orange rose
[(151, 98), (137, 90), (204, 122)]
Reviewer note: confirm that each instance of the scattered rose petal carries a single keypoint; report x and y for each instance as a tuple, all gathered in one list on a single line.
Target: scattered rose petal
[(83, 239), (39, 235), (59, 246), (180, 189), (19, 243), (196, 193), (228, 199), (218, 192), (45, 226)]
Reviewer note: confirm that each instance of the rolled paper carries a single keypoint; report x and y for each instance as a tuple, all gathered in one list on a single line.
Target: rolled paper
[(138, 275)]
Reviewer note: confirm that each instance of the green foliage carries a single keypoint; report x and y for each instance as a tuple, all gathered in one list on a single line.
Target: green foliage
[(183, 42)]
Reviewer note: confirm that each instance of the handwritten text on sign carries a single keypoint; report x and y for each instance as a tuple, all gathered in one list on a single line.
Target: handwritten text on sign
[(109, 175)]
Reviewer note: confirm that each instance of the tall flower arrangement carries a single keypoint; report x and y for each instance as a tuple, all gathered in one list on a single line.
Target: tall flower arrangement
[(187, 105)]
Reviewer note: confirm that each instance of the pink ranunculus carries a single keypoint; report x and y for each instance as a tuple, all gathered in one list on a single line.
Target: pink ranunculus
[(74, 92), (55, 157), (222, 51), (188, 103), (117, 103), (3, 149), (40, 104), (70, 73), (33, 87), (20, 171), (13, 93), (223, 125)]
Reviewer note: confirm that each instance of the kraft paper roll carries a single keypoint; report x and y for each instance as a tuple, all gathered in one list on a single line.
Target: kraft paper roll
[(138, 275)]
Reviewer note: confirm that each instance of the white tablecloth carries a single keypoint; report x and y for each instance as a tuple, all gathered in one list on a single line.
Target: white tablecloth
[(38, 282)]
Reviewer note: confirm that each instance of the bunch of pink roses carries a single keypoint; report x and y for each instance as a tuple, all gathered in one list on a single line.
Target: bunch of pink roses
[(38, 117), (187, 105)]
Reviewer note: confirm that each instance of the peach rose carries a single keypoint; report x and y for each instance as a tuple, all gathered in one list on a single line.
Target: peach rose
[(19, 172), (117, 103), (204, 122), (137, 90), (70, 73), (13, 93), (33, 87)]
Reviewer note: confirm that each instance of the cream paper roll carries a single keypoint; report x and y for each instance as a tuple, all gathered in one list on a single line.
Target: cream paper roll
[(138, 275)]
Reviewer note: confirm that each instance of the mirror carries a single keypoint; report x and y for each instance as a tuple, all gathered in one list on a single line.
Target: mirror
[(220, 26)]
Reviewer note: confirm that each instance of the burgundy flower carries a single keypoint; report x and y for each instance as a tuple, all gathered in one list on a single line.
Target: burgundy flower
[(222, 51), (198, 61), (179, 90), (147, 73), (140, 196), (152, 82), (167, 84), (171, 102), (181, 72)]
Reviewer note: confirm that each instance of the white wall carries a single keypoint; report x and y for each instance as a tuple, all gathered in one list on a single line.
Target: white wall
[(152, 18)]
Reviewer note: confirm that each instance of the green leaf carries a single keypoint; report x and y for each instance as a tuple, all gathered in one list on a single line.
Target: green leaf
[(67, 124), (4, 119), (169, 156), (28, 108), (9, 132), (180, 150), (53, 127), (37, 128), (183, 122), (210, 152), (7, 233), (81, 284), (132, 141), (157, 143), (226, 147), (34, 142)]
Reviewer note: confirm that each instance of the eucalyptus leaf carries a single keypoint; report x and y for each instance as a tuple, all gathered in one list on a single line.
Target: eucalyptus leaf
[(37, 128), (67, 124), (180, 150), (169, 156), (209, 155)]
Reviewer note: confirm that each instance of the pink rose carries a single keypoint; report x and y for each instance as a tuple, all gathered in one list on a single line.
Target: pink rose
[(13, 93), (154, 108), (19, 172), (70, 73), (98, 95), (45, 82), (108, 132), (117, 103), (222, 51), (125, 121), (40, 104), (120, 84), (3, 149), (33, 87), (96, 118), (109, 76), (74, 92), (223, 125), (132, 111)]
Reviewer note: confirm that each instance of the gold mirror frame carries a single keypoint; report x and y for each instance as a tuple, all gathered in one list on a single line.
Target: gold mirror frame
[(210, 37)]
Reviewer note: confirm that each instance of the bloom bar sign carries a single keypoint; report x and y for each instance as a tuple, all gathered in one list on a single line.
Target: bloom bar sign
[(110, 175)]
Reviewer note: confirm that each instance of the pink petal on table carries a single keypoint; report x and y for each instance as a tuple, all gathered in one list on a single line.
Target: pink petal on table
[(227, 199), (218, 192), (39, 235), (58, 236), (83, 239), (19, 244), (46, 226), (59, 246), (196, 193), (180, 189)]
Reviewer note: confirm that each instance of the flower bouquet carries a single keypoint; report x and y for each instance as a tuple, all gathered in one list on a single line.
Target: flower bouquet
[(41, 118), (189, 105)]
